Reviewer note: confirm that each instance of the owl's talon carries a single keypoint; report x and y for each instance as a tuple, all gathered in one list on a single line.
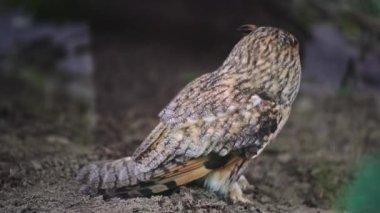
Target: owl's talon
[(237, 196)]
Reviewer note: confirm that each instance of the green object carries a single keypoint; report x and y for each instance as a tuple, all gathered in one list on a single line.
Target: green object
[(363, 194)]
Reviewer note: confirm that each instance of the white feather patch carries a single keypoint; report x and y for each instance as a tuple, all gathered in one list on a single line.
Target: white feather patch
[(256, 100), (217, 182)]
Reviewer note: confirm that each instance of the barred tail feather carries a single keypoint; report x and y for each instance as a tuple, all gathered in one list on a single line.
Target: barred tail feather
[(179, 177), (100, 176), (119, 179)]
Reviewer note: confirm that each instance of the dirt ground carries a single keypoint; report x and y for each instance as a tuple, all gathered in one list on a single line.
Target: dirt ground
[(142, 58), (45, 141)]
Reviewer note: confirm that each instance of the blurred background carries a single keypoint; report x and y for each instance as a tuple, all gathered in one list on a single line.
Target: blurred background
[(84, 80)]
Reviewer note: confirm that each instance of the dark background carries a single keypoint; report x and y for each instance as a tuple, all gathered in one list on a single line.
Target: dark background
[(84, 80)]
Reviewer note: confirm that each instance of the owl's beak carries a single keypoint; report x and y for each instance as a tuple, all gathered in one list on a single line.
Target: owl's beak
[(247, 28)]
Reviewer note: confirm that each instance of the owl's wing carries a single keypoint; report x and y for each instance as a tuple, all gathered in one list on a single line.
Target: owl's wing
[(208, 116), (207, 96)]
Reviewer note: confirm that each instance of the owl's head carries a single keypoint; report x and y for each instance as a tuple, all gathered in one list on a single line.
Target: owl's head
[(270, 35), (269, 57)]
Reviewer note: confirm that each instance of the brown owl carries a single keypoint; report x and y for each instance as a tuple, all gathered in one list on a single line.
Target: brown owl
[(214, 127)]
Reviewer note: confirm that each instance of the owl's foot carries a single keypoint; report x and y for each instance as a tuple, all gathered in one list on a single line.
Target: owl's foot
[(244, 184), (236, 194)]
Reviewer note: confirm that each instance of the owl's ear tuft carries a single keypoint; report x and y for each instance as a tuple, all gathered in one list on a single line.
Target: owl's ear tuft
[(246, 29)]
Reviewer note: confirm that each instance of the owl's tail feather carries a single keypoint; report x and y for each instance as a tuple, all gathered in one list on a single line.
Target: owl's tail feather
[(172, 176), (118, 179), (164, 179)]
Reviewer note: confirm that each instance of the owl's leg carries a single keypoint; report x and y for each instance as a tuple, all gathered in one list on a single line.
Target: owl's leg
[(228, 180), (244, 183)]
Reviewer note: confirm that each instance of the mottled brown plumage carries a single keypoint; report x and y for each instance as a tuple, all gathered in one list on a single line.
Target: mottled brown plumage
[(213, 128)]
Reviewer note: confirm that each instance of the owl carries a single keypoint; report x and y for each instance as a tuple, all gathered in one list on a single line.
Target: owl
[(214, 127)]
